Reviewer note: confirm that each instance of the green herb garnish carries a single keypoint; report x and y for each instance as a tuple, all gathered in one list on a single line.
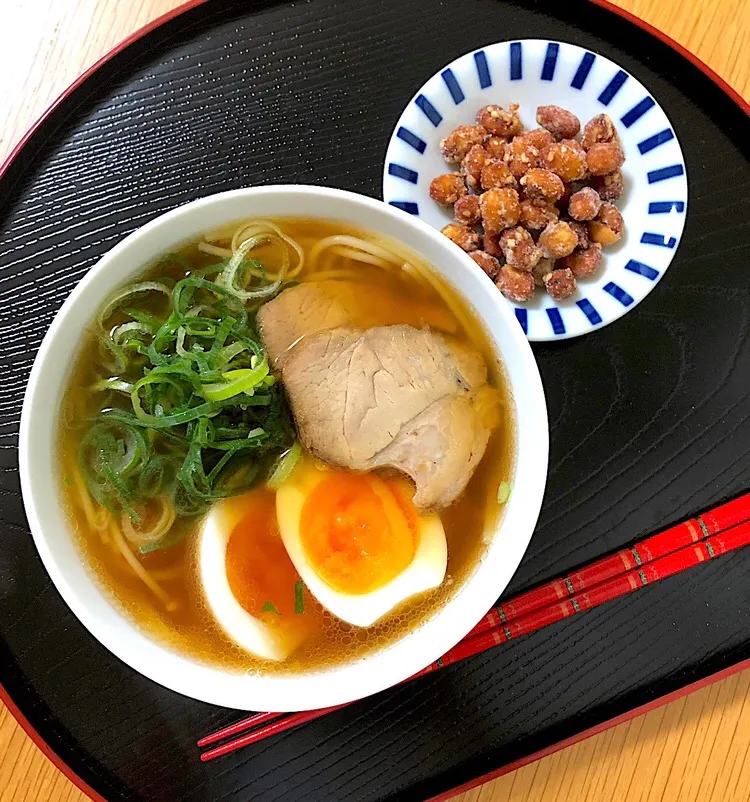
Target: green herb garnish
[(269, 607), (190, 411), (503, 492), (299, 598), (284, 467)]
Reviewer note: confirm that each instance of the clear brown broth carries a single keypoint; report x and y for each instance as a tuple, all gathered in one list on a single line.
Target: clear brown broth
[(191, 629)]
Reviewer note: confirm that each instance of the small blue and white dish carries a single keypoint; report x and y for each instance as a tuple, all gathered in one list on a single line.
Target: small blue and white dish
[(532, 73)]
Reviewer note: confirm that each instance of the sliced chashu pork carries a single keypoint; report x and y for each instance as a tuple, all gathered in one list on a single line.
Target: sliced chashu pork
[(388, 396), (318, 305), (298, 311)]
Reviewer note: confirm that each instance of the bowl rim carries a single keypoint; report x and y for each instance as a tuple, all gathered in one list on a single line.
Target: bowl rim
[(95, 607)]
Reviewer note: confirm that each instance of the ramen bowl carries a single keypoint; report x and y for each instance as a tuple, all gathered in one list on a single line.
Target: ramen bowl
[(99, 612)]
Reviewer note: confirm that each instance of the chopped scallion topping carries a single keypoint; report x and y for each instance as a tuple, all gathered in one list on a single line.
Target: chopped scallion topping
[(190, 413), (286, 465), (503, 492)]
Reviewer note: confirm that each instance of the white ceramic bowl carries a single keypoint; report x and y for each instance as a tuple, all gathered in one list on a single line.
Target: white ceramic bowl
[(536, 72), (94, 606)]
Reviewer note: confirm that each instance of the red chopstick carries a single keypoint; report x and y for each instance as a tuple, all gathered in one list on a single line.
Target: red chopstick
[(292, 720), (659, 569), (658, 545), (239, 726), (655, 558)]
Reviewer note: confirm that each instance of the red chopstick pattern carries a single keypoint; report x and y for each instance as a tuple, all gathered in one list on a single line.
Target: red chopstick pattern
[(661, 568), (239, 726), (657, 557), (281, 725), (659, 545)]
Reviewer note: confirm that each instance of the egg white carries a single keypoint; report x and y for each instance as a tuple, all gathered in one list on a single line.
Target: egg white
[(425, 572), (247, 631)]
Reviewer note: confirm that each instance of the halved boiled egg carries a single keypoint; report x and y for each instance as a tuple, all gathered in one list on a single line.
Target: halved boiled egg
[(248, 579), (357, 540)]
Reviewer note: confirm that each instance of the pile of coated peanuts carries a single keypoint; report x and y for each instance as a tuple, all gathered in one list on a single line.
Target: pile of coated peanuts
[(533, 208)]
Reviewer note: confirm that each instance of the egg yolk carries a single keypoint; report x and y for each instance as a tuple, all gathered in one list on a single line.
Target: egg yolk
[(259, 571), (358, 532)]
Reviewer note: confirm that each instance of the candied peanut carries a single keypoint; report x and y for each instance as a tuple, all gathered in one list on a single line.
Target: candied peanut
[(521, 156), (491, 245), (598, 129), (466, 210), (604, 158), (584, 204), (497, 120), (581, 232), (541, 269), (598, 232), (542, 186), (501, 209), (447, 189), (566, 159), (610, 218), (519, 248), (536, 217), (562, 124), (583, 263), (557, 240), (560, 283), (472, 164), (496, 173), (515, 284), (462, 235), (488, 263), (460, 141), (539, 137), (496, 146), (609, 187)]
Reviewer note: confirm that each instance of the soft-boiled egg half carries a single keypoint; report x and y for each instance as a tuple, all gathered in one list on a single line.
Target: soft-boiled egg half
[(249, 581), (357, 540)]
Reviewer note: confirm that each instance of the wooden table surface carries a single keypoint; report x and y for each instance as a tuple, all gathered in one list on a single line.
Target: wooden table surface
[(696, 748)]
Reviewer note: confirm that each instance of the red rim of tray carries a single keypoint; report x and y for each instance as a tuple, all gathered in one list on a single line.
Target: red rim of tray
[(24, 723)]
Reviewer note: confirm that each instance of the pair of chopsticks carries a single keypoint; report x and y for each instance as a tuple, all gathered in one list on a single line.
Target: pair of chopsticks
[(719, 531)]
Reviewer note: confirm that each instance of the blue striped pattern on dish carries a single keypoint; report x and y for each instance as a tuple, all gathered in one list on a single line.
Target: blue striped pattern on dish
[(522, 316), (642, 270), (516, 61), (637, 111), (406, 206), (649, 238), (664, 207), (582, 73), (483, 70), (665, 172), (412, 176), (453, 86), (655, 140), (405, 135), (613, 87), (589, 310), (550, 61), (555, 318), (618, 293), (432, 114), (654, 165)]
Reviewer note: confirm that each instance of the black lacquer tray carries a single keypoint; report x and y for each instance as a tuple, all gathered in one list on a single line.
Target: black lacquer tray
[(650, 417)]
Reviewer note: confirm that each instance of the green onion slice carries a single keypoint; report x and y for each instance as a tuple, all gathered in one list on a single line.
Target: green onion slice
[(284, 467)]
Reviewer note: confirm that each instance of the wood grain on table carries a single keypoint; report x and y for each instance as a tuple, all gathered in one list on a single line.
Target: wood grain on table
[(696, 748)]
